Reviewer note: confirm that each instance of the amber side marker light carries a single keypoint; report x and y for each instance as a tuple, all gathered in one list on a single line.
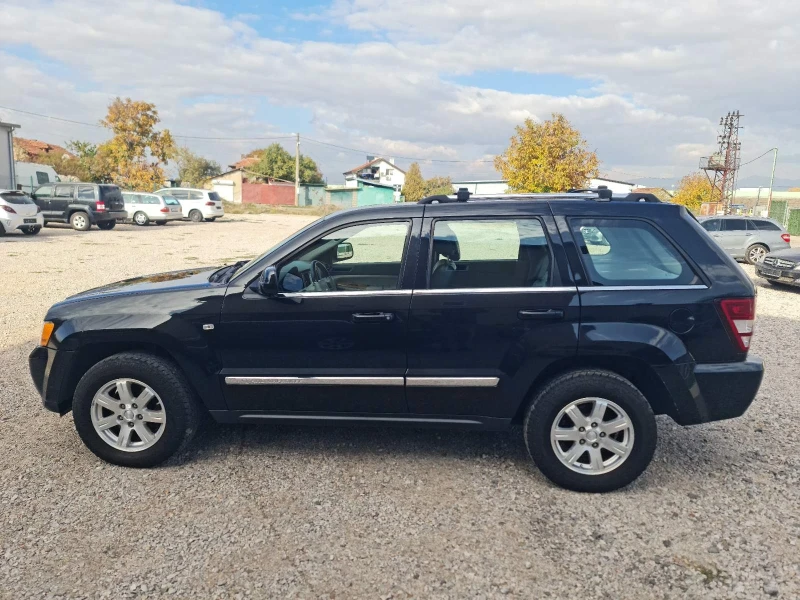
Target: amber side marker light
[(47, 331)]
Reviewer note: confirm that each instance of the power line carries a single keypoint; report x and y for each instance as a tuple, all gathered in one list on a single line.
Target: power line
[(412, 158), (756, 158)]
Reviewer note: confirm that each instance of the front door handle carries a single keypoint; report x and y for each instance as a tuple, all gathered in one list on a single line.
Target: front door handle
[(543, 314), (373, 317)]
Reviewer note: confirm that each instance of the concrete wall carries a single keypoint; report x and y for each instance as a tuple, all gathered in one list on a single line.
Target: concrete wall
[(369, 195), (265, 193), (312, 195), (7, 180), (342, 197)]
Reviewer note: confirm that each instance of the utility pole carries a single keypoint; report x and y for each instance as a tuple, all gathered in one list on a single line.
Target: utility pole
[(725, 162), (297, 172), (772, 179)]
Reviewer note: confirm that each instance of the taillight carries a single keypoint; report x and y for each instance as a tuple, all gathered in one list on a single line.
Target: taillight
[(209, 204), (740, 313), (8, 209), (786, 238), (100, 206), (165, 209)]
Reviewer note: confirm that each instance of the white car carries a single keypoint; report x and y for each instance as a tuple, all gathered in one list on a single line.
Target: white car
[(197, 204), (142, 208), (18, 211)]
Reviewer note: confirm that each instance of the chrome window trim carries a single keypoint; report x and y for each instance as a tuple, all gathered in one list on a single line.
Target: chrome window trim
[(383, 381), (355, 418), (628, 288), (350, 294), (508, 290), (452, 381)]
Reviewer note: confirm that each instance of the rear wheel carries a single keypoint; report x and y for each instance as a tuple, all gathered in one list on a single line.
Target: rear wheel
[(756, 253), (140, 218), (80, 221), (212, 219), (590, 431), (31, 230), (134, 409), (107, 225), (196, 216)]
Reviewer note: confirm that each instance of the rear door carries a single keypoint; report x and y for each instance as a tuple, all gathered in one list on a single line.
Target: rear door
[(492, 307), (734, 236)]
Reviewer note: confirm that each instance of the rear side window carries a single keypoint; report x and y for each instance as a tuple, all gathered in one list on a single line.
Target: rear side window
[(711, 225), (214, 196), (502, 253), (734, 225), (42, 177), (629, 252), (86, 192), (195, 195), (179, 194), (63, 191), (763, 225)]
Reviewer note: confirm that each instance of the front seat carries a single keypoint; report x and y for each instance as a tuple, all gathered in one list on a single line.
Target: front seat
[(446, 248)]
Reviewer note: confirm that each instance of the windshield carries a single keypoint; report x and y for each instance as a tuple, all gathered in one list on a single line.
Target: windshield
[(16, 198), (214, 196)]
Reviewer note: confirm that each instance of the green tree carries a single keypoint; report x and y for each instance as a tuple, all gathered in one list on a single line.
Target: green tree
[(438, 185), (694, 190), (547, 157), (276, 162), (414, 186), (193, 169), (135, 154)]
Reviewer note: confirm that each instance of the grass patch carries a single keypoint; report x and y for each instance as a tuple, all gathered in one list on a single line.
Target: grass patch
[(269, 209)]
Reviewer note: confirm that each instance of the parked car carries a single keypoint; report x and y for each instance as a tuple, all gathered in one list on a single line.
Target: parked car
[(18, 211), (197, 204), (142, 208), (81, 204), (781, 267), (29, 176), (465, 314), (747, 238)]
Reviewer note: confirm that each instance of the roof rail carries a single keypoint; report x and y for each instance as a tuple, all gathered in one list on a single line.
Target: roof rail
[(602, 192), (461, 196)]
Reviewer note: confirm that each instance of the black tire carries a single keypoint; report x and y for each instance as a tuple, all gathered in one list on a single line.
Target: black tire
[(753, 252), (161, 222), (107, 225), (80, 221), (139, 218), (196, 216), (2, 230), (31, 230), (211, 220), (588, 383), (182, 411)]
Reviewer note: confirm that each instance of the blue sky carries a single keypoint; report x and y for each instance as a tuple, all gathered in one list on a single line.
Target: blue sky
[(435, 81)]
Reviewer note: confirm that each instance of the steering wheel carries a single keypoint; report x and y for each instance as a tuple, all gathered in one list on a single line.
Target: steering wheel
[(320, 274)]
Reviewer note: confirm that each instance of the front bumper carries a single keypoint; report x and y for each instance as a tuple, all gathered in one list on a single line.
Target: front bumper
[(49, 369), (790, 277)]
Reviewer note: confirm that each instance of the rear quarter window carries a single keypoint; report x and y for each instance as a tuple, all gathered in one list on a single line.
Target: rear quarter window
[(629, 252), (764, 225), (214, 196)]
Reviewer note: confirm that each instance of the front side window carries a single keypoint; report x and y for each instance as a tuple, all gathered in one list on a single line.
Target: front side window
[(42, 177), (63, 191), (44, 192), (734, 225), (629, 252), (501, 253), (365, 257), (711, 225), (86, 192)]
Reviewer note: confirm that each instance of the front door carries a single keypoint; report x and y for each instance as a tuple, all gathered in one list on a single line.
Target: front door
[(61, 200), (334, 339), (42, 198), (492, 308)]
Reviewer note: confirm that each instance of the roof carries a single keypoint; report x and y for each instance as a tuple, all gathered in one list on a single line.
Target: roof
[(372, 162), (247, 161), (36, 148), (9, 125), (374, 183)]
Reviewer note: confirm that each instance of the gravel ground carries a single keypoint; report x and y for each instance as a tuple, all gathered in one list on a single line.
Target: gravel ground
[(288, 512)]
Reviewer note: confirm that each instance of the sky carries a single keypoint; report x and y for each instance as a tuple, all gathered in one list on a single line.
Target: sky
[(444, 83)]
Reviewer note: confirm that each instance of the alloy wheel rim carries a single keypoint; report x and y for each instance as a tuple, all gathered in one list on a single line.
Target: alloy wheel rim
[(140, 219), (592, 436), (80, 221), (128, 415), (756, 254)]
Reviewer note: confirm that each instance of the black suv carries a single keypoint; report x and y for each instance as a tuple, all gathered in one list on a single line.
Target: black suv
[(81, 204), (578, 315)]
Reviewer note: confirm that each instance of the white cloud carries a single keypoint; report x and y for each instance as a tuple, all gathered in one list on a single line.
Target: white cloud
[(663, 75)]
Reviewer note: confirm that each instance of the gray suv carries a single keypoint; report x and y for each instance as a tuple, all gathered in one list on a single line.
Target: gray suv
[(747, 238)]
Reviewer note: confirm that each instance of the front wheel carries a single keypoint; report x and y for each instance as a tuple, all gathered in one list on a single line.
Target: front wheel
[(134, 409), (756, 253), (107, 225), (590, 431), (196, 216), (140, 218)]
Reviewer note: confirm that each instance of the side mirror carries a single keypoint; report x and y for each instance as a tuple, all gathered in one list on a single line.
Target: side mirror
[(344, 251), (268, 282)]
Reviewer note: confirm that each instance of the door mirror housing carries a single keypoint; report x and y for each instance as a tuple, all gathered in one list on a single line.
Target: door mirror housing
[(344, 251), (268, 282)]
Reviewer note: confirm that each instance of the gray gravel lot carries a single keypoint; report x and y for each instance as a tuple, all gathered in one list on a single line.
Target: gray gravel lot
[(291, 512)]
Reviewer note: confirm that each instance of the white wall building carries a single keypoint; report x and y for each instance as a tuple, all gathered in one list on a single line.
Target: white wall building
[(483, 186), (616, 186), (7, 179), (379, 170)]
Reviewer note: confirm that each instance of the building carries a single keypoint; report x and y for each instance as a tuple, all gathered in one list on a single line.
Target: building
[(364, 193), (229, 184), (378, 170), (247, 162), (616, 186), (34, 150), (7, 179), (483, 186), (658, 192)]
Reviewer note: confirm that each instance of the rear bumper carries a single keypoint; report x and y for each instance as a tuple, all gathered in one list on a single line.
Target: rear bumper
[(714, 392), (49, 368), (10, 222), (109, 215)]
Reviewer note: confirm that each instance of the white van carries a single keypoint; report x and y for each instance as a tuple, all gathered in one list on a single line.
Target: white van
[(32, 175)]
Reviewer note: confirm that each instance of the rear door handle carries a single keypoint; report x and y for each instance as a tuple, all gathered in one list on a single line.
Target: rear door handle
[(376, 317), (543, 314)]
